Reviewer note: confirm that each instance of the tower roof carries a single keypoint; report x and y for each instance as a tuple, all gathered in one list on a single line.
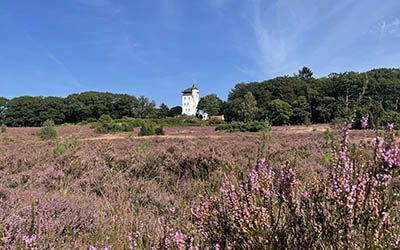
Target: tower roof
[(190, 90)]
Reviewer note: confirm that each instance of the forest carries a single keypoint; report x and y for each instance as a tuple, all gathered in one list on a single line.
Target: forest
[(284, 100)]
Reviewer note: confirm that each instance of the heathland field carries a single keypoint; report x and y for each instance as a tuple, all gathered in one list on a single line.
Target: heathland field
[(198, 188)]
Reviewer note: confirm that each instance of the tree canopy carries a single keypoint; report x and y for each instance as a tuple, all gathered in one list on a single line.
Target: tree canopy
[(211, 104), (302, 99)]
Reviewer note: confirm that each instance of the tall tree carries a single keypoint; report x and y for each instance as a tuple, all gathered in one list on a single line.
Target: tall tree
[(247, 110), (305, 73), (144, 108), (280, 112), (162, 111), (211, 104), (175, 111)]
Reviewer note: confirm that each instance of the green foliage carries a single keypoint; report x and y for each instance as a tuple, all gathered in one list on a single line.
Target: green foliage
[(304, 73), (319, 100), (144, 108), (47, 131), (162, 112), (214, 122), (71, 144), (211, 104), (159, 131), (251, 126), (92, 105), (175, 111), (9, 139), (247, 109), (391, 117), (108, 125), (280, 112), (3, 128), (147, 129)]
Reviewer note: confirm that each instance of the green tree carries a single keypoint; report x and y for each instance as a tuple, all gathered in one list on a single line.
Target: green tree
[(163, 110), (144, 108), (280, 112), (301, 111), (211, 104), (175, 111), (247, 109), (304, 73)]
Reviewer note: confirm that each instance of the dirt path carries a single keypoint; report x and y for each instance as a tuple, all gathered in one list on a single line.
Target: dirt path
[(121, 137)]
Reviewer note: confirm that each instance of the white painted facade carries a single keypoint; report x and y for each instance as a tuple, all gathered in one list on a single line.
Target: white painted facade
[(190, 100)]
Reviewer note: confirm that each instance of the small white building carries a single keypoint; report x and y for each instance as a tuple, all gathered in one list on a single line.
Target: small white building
[(190, 100)]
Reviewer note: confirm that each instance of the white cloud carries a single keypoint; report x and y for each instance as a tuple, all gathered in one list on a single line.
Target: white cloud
[(391, 27)]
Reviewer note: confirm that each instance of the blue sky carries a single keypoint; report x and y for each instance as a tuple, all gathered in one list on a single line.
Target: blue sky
[(157, 48)]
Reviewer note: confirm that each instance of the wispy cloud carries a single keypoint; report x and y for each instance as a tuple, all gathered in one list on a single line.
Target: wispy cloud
[(288, 34), (275, 44), (391, 27)]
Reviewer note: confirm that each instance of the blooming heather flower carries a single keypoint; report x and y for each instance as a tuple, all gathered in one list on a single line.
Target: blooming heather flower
[(389, 126), (364, 122), (180, 240), (130, 239), (29, 241)]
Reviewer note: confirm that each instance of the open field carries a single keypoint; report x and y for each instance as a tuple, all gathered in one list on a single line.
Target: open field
[(107, 187)]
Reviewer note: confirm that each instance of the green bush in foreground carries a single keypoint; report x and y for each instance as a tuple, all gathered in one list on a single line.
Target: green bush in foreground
[(148, 129), (108, 125), (70, 145), (252, 126), (3, 128), (47, 131)]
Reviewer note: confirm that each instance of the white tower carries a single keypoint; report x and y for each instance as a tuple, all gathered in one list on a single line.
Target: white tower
[(190, 100)]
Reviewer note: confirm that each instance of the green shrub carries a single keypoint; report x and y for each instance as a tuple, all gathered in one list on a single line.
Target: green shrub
[(47, 131), (160, 131), (3, 128), (391, 117), (106, 124), (147, 129), (213, 122), (70, 145)]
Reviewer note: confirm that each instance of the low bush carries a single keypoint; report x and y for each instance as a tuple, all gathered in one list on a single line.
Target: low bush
[(70, 145), (391, 117), (147, 129), (106, 124), (253, 126), (160, 131), (3, 128), (214, 122), (47, 131)]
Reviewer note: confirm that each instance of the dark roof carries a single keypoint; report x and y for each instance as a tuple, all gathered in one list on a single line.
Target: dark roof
[(190, 90)]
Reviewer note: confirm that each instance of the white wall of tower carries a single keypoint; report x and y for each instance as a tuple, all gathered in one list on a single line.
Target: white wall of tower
[(190, 102)]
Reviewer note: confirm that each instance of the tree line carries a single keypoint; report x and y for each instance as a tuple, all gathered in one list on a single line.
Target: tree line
[(297, 99), (303, 99), (34, 111)]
